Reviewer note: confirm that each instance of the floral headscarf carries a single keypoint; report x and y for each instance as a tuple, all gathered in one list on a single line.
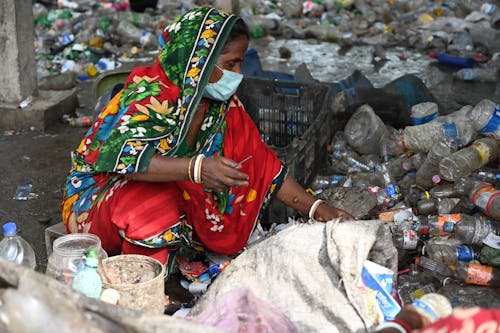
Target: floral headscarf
[(153, 111)]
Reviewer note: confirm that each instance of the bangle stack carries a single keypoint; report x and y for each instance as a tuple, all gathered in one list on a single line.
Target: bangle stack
[(189, 169), (314, 207), (197, 169)]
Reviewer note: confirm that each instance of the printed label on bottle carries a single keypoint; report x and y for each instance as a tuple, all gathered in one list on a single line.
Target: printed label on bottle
[(450, 130), (488, 8), (465, 253), (426, 119), (470, 74), (479, 274), (393, 191), (484, 196), (492, 240), (492, 128), (446, 223), (483, 150), (425, 308), (409, 239)]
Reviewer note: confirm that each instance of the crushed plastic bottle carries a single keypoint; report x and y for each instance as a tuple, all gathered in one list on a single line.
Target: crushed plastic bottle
[(15, 248), (468, 159), (483, 195), (364, 130), (430, 167)]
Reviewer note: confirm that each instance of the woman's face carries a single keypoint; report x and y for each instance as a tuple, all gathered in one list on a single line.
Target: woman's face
[(230, 58)]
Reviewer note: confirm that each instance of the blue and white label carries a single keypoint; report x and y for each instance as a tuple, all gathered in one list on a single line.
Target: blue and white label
[(449, 227), (426, 119), (465, 253), (492, 128), (450, 130), (469, 74), (393, 191), (425, 308)]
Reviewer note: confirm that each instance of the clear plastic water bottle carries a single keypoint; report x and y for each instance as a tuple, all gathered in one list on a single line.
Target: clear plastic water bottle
[(450, 254), (389, 183), (326, 181), (423, 113), (468, 159), (474, 229), (442, 148), (15, 248), (488, 176), (412, 286), (485, 117), (423, 137), (364, 130), (476, 74), (483, 195)]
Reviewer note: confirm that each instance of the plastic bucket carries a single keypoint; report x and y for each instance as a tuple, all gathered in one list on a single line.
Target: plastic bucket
[(139, 279)]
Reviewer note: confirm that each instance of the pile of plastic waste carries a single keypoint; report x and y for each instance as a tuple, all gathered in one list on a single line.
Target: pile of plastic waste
[(90, 37), (435, 183)]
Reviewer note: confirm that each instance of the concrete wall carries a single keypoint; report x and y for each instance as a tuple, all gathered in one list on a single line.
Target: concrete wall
[(18, 79)]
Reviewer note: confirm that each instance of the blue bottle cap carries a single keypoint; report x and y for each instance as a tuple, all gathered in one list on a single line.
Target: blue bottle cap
[(9, 229)]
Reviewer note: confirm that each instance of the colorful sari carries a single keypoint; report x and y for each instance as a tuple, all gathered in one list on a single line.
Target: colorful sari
[(151, 115)]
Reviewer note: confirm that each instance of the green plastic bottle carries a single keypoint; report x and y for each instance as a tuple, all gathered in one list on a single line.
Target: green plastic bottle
[(88, 281)]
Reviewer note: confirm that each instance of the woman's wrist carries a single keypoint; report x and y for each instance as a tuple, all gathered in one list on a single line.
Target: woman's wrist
[(314, 208)]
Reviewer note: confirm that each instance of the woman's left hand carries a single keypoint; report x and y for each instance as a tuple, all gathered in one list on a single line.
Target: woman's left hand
[(326, 213)]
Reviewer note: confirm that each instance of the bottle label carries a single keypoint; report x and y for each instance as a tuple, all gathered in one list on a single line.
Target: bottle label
[(483, 150), (470, 74), (393, 191), (492, 128), (488, 8), (479, 274), (423, 120), (450, 130), (425, 308), (465, 253), (410, 239), (484, 196), (447, 223)]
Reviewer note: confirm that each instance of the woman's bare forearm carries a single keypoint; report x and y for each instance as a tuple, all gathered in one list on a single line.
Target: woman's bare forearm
[(163, 169), (293, 195)]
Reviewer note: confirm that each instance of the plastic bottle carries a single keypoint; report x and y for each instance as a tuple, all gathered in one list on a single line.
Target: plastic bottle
[(450, 254), (364, 130), (410, 286), (485, 117), (476, 74), (474, 230), (389, 183), (351, 161), (442, 148), (461, 43), (468, 159), (391, 146), (325, 181), (424, 137), (424, 112), (436, 206), (15, 248), (488, 176), (433, 306), (446, 191), (88, 281), (444, 224), (483, 195), (490, 256), (462, 62), (472, 273)]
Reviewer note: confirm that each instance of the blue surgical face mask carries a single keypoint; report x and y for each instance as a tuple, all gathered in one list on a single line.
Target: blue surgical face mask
[(223, 89)]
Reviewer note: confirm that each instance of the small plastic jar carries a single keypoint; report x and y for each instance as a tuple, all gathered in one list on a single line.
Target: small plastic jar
[(68, 256)]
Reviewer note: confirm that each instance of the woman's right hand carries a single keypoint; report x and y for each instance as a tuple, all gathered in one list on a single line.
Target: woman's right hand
[(219, 173)]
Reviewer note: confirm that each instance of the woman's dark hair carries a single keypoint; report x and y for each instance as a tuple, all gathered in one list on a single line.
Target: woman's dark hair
[(240, 28)]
